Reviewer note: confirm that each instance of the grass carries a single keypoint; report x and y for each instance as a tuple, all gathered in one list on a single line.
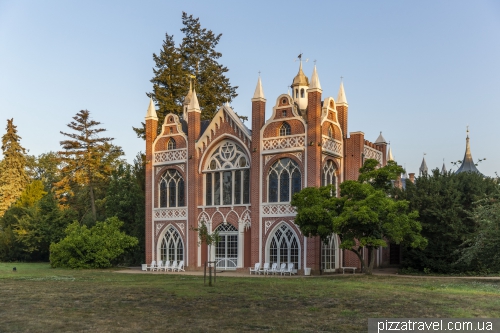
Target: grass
[(37, 298)]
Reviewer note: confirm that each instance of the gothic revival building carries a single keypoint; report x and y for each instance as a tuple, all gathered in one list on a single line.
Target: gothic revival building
[(240, 181)]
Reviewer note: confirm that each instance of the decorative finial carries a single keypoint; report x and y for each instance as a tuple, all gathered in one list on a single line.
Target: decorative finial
[(341, 78), (259, 73), (314, 62)]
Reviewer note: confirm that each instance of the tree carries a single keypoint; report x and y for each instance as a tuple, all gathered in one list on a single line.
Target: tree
[(46, 167), (95, 247), (210, 239), (194, 58), (13, 176), (125, 199), (364, 216), (445, 203), (88, 159)]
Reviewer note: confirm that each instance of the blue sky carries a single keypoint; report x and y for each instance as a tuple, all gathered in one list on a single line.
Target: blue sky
[(418, 71)]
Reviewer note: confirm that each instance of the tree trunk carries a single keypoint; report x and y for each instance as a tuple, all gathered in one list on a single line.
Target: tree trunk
[(363, 266), (92, 203)]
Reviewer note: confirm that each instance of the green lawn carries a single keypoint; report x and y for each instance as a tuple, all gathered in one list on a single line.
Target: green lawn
[(37, 298)]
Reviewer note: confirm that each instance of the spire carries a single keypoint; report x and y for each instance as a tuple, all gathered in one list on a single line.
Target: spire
[(380, 139), (389, 155), (443, 169), (315, 80), (341, 99), (300, 79), (259, 93), (423, 167), (151, 113), (468, 164), (187, 101), (194, 106)]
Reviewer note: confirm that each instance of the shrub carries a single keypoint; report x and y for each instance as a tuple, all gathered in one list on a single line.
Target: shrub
[(94, 247)]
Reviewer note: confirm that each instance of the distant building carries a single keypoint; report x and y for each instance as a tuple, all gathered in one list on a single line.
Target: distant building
[(467, 163)]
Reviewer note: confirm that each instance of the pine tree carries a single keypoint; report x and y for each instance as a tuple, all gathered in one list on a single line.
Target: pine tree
[(174, 66), (88, 160), (13, 176)]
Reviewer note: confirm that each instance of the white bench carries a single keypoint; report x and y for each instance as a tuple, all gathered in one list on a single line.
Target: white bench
[(353, 269)]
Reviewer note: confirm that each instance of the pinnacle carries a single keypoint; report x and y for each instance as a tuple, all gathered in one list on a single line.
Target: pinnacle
[(194, 105), (151, 113), (315, 80), (341, 99), (259, 92)]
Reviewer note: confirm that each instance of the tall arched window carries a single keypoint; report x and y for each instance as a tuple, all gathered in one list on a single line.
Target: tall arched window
[(172, 247), (171, 144), (302, 94), (284, 180), (226, 250), (283, 247), (227, 176), (329, 176), (285, 129), (329, 255), (172, 189)]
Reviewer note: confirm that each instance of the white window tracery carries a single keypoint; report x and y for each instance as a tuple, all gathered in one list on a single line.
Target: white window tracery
[(329, 176), (227, 176), (285, 129), (284, 180), (171, 189), (284, 247), (172, 247)]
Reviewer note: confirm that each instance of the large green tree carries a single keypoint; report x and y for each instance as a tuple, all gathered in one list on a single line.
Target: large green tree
[(364, 216), (88, 160), (445, 203), (13, 176), (195, 58)]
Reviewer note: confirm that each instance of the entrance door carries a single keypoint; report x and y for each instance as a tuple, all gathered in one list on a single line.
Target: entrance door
[(226, 251)]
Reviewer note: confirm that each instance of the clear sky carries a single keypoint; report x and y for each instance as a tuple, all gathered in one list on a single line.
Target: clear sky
[(419, 71)]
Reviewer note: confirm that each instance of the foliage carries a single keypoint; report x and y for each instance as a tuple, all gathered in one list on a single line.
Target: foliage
[(194, 57), (125, 199), (45, 168), (13, 176), (364, 216), (88, 160), (95, 247), (445, 203), (483, 247)]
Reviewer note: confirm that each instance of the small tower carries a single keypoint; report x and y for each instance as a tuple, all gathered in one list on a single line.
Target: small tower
[(423, 170), (342, 109), (313, 135), (382, 143), (299, 88), (468, 164), (151, 133)]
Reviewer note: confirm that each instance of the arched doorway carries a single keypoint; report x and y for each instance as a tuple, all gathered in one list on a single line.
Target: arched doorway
[(171, 247), (283, 246), (226, 250), (329, 254)]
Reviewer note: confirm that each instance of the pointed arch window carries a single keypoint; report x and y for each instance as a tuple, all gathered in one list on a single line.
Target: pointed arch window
[(227, 176), (171, 144), (329, 176), (302, 93), (172, 189), (329, 257), (284, 247), (284, 180), (172, 247), (285, 129)]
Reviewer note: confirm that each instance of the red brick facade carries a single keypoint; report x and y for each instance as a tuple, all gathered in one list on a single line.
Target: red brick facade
[(292, 149)]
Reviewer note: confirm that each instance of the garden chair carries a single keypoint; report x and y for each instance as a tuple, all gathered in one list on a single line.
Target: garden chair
[(265, 269), (255, 269), (283, 268), (159, 267), (289, 270), (174, 266), (181, 266), (274, 269), (152, 267), (167, 265)]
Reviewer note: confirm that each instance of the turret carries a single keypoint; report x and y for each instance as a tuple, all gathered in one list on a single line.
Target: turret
[(468, 164), (299, 89), (381, 142), (423, 170)]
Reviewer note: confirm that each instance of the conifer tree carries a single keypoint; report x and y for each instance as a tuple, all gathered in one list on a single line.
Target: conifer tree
[(194, 58), (88, 160), (13, 176)]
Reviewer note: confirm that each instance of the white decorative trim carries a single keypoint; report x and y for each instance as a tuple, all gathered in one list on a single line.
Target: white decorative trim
[(181, 226), (176, 213), (170, 156), (268, 157), (246, 220), (298, 155), (181, 166), (269, 223), (158, 227), (370, 152), (158, 169), (277, 209), (332, 146), (283, 142)]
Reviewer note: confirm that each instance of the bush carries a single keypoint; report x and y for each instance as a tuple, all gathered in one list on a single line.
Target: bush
[(94, 247)]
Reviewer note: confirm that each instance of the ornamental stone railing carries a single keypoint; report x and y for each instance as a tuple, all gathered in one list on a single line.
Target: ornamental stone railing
[(370, 152), (285, 142), (170, 156), (176, 213), (332, 146), (277, 209)]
